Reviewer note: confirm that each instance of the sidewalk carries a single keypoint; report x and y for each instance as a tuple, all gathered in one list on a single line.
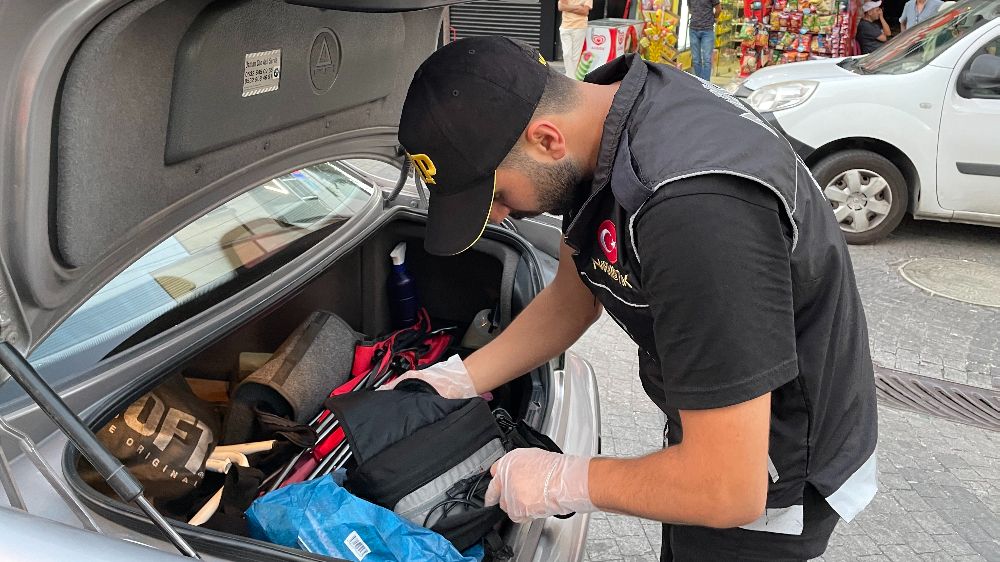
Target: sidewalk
[(939, 495)]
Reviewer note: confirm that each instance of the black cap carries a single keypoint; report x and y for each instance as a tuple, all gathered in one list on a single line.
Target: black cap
[(465, 109)]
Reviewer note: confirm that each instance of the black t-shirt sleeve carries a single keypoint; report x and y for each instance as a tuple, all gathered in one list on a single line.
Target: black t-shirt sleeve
[(716, 270)]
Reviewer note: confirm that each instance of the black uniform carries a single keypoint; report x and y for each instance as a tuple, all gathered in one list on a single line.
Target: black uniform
[(706, 238)]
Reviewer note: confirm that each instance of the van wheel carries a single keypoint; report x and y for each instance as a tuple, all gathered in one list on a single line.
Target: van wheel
[(867, 192)]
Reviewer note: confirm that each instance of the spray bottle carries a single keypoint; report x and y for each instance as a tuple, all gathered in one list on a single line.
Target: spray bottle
[(403, 301)]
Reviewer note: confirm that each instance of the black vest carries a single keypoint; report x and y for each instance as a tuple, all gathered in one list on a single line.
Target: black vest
[(664, 126)]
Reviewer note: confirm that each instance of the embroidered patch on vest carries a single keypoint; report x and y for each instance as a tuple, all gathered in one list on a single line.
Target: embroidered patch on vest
[(607, 237)]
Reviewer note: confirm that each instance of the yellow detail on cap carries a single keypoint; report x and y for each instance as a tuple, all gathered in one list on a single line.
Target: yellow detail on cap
[(423, 164), (487, 221), (541, 59)]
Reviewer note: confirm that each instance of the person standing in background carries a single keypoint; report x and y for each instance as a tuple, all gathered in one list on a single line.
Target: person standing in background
[(702, 34), (872, 29), (573, 31), (916, 11)]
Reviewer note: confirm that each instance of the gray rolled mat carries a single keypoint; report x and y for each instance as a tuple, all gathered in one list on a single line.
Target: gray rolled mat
[(314, 360)]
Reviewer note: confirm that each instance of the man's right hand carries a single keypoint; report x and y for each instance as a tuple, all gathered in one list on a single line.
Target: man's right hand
[(449, 378)]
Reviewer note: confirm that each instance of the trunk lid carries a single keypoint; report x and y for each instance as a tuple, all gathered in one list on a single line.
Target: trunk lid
[(125, 121)]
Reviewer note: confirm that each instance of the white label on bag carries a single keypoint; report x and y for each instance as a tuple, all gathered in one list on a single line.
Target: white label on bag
[(358, 547)]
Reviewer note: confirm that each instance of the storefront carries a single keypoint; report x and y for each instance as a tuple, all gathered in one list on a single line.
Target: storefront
[(752, 34)]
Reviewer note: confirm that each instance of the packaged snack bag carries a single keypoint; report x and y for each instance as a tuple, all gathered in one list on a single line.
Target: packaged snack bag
[(762, 39), (795, 22), (786, 40)]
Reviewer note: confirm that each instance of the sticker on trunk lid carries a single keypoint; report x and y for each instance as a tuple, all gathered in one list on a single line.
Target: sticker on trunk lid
[(261, 72)]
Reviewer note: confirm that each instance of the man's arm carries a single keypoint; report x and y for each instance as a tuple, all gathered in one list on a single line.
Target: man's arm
[(886, 32), (716, 477), (716, 10), (556, 318)]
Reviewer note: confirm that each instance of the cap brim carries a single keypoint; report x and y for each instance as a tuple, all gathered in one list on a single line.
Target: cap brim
[(456, 221)]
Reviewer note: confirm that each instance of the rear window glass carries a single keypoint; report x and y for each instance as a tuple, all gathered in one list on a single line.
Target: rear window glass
[(231, 242)]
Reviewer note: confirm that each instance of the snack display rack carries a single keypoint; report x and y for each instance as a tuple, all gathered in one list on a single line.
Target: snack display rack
[(661, 39), (727, 51), (782, 31)]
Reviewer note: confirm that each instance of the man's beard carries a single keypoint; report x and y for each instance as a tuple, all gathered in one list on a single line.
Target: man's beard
[(555, 184)]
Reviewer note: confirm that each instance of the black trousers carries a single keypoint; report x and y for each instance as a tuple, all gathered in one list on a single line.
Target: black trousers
[(682, 543)]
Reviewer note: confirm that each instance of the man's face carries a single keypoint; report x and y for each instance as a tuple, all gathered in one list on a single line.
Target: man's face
[(526, 187)]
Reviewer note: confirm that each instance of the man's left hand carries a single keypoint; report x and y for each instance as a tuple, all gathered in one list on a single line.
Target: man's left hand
[(532, 483)]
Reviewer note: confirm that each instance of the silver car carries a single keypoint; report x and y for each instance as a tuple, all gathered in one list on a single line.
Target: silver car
[(186, 180)]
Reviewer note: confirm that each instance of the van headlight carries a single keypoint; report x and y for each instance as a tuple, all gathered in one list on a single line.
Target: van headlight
[(784, 95)]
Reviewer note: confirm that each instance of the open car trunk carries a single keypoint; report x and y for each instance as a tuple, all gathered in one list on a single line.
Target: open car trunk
[(499, 273)]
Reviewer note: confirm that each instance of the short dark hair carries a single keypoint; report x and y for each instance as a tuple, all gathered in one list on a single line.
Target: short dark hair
[(560, 96)]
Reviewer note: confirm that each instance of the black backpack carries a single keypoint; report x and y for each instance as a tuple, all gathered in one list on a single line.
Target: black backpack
[(428, 458)]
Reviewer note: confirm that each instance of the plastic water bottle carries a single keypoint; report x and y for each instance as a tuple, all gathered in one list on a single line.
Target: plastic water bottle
[(403, 301)]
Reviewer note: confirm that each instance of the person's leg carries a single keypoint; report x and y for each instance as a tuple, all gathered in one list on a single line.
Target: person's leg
[(579, 36), (570, 50), (708, 44), (695, 37)]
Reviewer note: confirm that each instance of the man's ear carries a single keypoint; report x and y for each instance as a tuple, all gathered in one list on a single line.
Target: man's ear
[(545, 139)]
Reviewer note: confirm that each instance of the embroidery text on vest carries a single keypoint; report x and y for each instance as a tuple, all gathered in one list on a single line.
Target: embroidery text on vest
[(612, 272)]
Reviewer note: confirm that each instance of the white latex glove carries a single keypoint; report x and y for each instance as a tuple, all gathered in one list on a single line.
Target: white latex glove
[(449, 378), (532, 483)]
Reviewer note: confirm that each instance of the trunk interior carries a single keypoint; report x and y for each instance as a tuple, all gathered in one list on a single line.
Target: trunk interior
[(452, 289)]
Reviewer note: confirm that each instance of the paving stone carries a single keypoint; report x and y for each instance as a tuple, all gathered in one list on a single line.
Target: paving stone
[(933, 523), (898, 552), (989, 550), (936, 557), (603, 550), (922, 544), (649, 557), (623, 525), (600, 529), (633, 545), (859, 545), (954, 545)]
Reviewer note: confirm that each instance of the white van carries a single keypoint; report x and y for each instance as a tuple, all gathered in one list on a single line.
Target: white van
[(913, 127)]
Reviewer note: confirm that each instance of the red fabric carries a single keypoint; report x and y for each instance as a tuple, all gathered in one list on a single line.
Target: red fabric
[(410, 348)]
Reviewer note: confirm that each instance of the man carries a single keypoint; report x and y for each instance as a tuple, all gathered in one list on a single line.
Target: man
[(702, 35), (872, 29), (573, 31), (916, 11), (717, 254)]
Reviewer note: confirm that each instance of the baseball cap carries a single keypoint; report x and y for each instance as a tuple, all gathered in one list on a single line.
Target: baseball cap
[(468, 104), (871, 5)]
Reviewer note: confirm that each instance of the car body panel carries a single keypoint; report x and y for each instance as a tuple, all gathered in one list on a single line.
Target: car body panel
[(970, 129)]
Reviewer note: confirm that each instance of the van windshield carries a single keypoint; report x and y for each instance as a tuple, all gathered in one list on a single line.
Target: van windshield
[(921, 44)]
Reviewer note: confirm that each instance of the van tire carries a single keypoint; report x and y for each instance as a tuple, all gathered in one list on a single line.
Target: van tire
[(851, 180)]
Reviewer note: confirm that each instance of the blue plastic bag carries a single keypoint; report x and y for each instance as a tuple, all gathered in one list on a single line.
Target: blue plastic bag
[(321, 517)]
